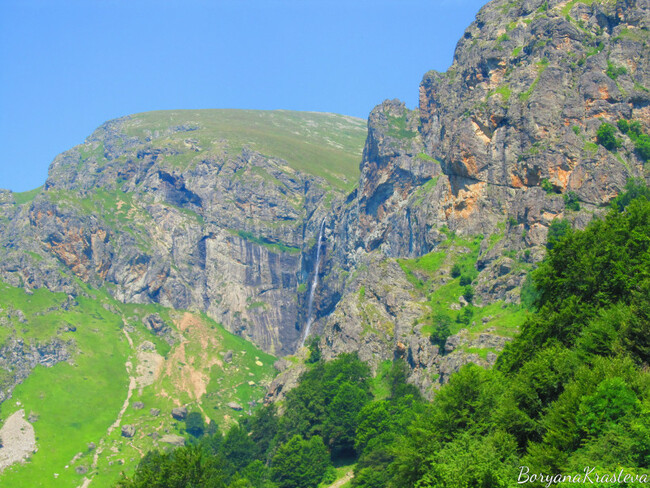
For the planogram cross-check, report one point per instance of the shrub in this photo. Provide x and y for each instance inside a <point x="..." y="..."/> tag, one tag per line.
<point x="571" y="201"/>
<point x="465" y="280"/>
<point x="455" y="271"/>
<point x="442" y="331"/>
<point x="642" y="146"/>
<point x="314" y="349"/>
<point x="615" y="71"/>
<point x="468" y="293"/>
<point x="558" y="229"/>
<point x="606" y="138"/>
<point x="547" y="186"/>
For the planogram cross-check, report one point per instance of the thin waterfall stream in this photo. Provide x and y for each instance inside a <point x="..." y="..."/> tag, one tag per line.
<point x="314" y="284"/>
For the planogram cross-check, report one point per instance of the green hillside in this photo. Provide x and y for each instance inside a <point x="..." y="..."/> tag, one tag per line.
<point x="326" y="145"/>
<point x="117" y="362"/>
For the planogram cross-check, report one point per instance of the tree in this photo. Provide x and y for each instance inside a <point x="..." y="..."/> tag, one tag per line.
<point x="342" y="413"/>
<point x="300" y="463"/>
<point x="605" y="136"/>
<point x="194" y="424"/>
<point x="238" y="447"/>
<point x="314" y="349"/>
<point x="556" y="231"/>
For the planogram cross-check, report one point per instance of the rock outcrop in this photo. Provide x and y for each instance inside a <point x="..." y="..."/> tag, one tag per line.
<point x="501" y="145"/>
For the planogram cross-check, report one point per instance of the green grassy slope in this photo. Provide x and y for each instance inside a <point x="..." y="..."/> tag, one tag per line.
<point x="429" y="274"/>
<point x="326" y="145"/>
<point x="77" y="401"/>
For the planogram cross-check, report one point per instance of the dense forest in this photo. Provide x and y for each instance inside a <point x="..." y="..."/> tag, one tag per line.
<point x="571" y="391"/>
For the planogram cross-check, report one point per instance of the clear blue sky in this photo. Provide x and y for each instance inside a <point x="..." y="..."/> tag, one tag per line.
<point x="68" y="66"/>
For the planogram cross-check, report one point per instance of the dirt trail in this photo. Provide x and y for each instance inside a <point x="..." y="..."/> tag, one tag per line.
<point x="338" y="483"/>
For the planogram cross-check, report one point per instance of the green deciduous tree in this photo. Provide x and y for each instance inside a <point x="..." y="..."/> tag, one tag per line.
<point x="300" y="463"/>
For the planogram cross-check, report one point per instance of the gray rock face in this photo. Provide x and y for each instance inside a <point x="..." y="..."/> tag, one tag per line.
<point x="174" y="440"/>
<point x="498" y="145"/>
<point x="179" y="413"/>
<point x="18" y="359"/>
<point x="128" y="431"/>
<point x="210" y="224"/>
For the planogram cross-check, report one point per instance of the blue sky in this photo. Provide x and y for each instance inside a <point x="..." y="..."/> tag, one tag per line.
<point x="68" y="66"/>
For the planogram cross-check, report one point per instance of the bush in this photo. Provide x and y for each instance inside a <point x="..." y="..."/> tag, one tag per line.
<point x="571" y="201"/>
<point x="547" y="186"/>
<point x="314" y="349"/>
<point x="642" y="146"/>
<point x="465" y="315"/>
<point x="455" y="271"/>
<point x="615" y="71"/>
<point x="468" y="293"/>
<point x="623" y="126"/>
<point x="465" y="280"/>
<point x="194" y="424"/>
<point x="605" y="136"/>
<point x="442" y="330"/>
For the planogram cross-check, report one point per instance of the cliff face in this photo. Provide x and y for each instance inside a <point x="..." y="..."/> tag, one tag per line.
<point x="502" y="144"/>
<point x="185" y="210"/>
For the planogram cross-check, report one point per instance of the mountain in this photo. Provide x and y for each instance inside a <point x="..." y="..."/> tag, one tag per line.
<point x="114" y="272"/>
<point x="416" y="245"/>
<point x="206" y="210"/>
<point x="509" y="140"/>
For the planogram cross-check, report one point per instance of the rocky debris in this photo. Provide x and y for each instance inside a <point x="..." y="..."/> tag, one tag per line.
<point x="154" y="412"/>
<point x="92" y="446"/>
<point x="147" y="346"/>
<point x="281" y="364"/>
<point x="138" y="405"/>
<point x="284" y="382"/>
<point x="18" y="440"/>
<point x="179" y="413"/>
<point x="33" y="417"/>
<point x="81" y="469"/>
<point x="234" y="406"/>
<point x="18" y="358"/>
<point x="227" y="357"/>
<point x="155" y="323"/>
<point x="485" y="340"/>
<point x="174" y="440"/>
<point x="128" y="430"/>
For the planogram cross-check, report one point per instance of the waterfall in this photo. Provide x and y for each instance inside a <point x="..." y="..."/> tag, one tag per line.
<point x="314" y="284"/>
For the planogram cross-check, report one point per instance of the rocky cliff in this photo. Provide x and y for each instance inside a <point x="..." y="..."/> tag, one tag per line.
<point x="203" y="210"/>
<point x="425" y="247"/>
<point x="501" y="145"/>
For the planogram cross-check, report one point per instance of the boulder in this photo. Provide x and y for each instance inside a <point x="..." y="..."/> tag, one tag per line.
<point x="179" y="413"/>
<point x="174" y="440"/>
<point x="128" y="431"/>
<point x="234" y="406"/>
